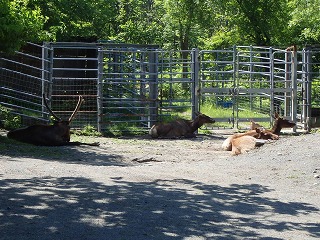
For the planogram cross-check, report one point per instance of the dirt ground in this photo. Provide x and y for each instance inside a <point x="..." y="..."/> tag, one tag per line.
<point x="140" y="188"/>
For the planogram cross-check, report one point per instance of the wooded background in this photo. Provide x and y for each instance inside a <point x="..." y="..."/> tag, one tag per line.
<point x="172" y="24"/>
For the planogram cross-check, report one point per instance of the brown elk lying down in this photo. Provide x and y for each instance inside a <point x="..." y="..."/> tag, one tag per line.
<point x="179" y="128"/>
<point x="245" y="143"/>
<point x="230" y="144"/>
<point x="57" y="134"/>
<point x="257" y="136"/>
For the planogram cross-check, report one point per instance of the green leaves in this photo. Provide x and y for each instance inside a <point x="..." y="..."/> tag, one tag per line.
<point x="19" y="23"/>
<point x="304" y="24"/>
<point x="173" y="24"/>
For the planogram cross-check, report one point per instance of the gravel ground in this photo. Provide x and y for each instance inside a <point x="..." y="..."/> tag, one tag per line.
<point x="140" y="188"/>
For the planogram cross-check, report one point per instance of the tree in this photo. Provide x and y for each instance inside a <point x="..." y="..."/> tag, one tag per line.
<point x="78" y="19"/>
<point x="181" y="25"/>
<point x="262" y="22"/>
<point x="304" y="22"/>
<point x="172" y="24"/>
<point x="18" y="24"/>
<point x="246" y="22"/>
<point x="140" y="22"/>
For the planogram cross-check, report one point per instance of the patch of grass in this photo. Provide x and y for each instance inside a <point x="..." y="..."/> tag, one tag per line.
<point x="123" y="129"/>
<point x="88" y="130"/>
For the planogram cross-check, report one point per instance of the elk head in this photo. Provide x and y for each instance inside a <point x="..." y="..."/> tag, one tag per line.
<point x="280" y="123"/>
<point x="63" y="126"/>
<point x="204" y="118"/>
<point x="254" y="125"/>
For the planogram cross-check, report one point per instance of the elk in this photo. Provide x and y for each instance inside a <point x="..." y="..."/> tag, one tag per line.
<point x="278" y="125"/>
<point x="257" y="133"/>
<point x="245" y="143"/>
<point x="254" y="125"/>
<point x="180" y="127"/>
<point x="57" y="134"/>
<point x="257" y="136"/>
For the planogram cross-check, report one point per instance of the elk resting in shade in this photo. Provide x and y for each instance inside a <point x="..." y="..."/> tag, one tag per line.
<point x="180" y="127"/>
<point x="57" y="134"/>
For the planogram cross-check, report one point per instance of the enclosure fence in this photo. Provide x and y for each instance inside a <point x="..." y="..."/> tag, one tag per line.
<point x="133" y="86"/>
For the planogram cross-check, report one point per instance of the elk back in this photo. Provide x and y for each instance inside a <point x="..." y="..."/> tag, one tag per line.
<point x="173" y="129"/>
<point x="42" y="135"/>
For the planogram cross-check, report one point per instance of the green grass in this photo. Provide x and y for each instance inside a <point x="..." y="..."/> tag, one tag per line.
<point x="127" y="129"/>
<point x="123" y="129"/>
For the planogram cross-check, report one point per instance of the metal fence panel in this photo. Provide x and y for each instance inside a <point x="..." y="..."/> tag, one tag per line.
<point x="217" y="82"/>
<point x="127" y="85"/>
<point x="135" y="86"/>
<point x="74" y="72"/>
<point x="139" y="86"/>
<point x="23" y="80"/>
<point x="255" y="92"/>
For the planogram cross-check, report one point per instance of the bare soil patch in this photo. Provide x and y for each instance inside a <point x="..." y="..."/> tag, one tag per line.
<point x="141" y="188"/>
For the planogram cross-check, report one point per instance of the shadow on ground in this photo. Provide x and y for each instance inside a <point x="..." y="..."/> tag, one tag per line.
<point x="88" y="155"/>
<point x="78" y="208"/>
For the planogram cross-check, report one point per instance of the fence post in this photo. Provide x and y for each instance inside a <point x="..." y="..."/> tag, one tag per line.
<point x="307" y="83"/>
<point x="251" y="76"/>
<point x="195" y="92"/>
<point x="49" y="96"/>
<point x="272" y="95"/>
<point x="287" y="98"/>
<point x="294" y="64"/>
<point x="45" y="76"/>
<point x="153" y="85"/>
<point x="235" y="90"/>
<point x="99" y="89"/>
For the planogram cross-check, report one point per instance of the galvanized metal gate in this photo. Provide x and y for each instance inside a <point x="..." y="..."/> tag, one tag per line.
<point x="126" y="87"/>
<point x="132" y="86"/>
<point x="217" y="83"/>
<point x="23" y="79"/>
<point x="137" y="86"/>
<point x="73" y="71"/>
<point x="253" y="82"/>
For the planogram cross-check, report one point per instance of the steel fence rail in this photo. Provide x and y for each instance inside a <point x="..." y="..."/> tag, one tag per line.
<point x="138" y="85"/>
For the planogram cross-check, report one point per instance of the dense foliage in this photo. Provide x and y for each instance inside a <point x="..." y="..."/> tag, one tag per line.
<point x="172" y="24"/>
<point x="19" y="23"/>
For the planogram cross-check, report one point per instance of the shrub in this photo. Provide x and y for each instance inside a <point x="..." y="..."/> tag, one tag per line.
<point x="9" y="120"/>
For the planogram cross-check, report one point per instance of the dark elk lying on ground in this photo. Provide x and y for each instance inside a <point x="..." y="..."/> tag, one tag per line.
<point x="179" y="128"/>
<point x="57" y="134"/>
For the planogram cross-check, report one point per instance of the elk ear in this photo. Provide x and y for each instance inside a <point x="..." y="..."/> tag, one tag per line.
<point x="258" y="130"/>
<point x="276" y="115"/>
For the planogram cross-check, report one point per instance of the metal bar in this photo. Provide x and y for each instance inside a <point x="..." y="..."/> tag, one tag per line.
<point x="22" y="74"/>
<point x="294" y="90"/>
<point x="100" y="90"/>
<point x="195" y="82"/>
